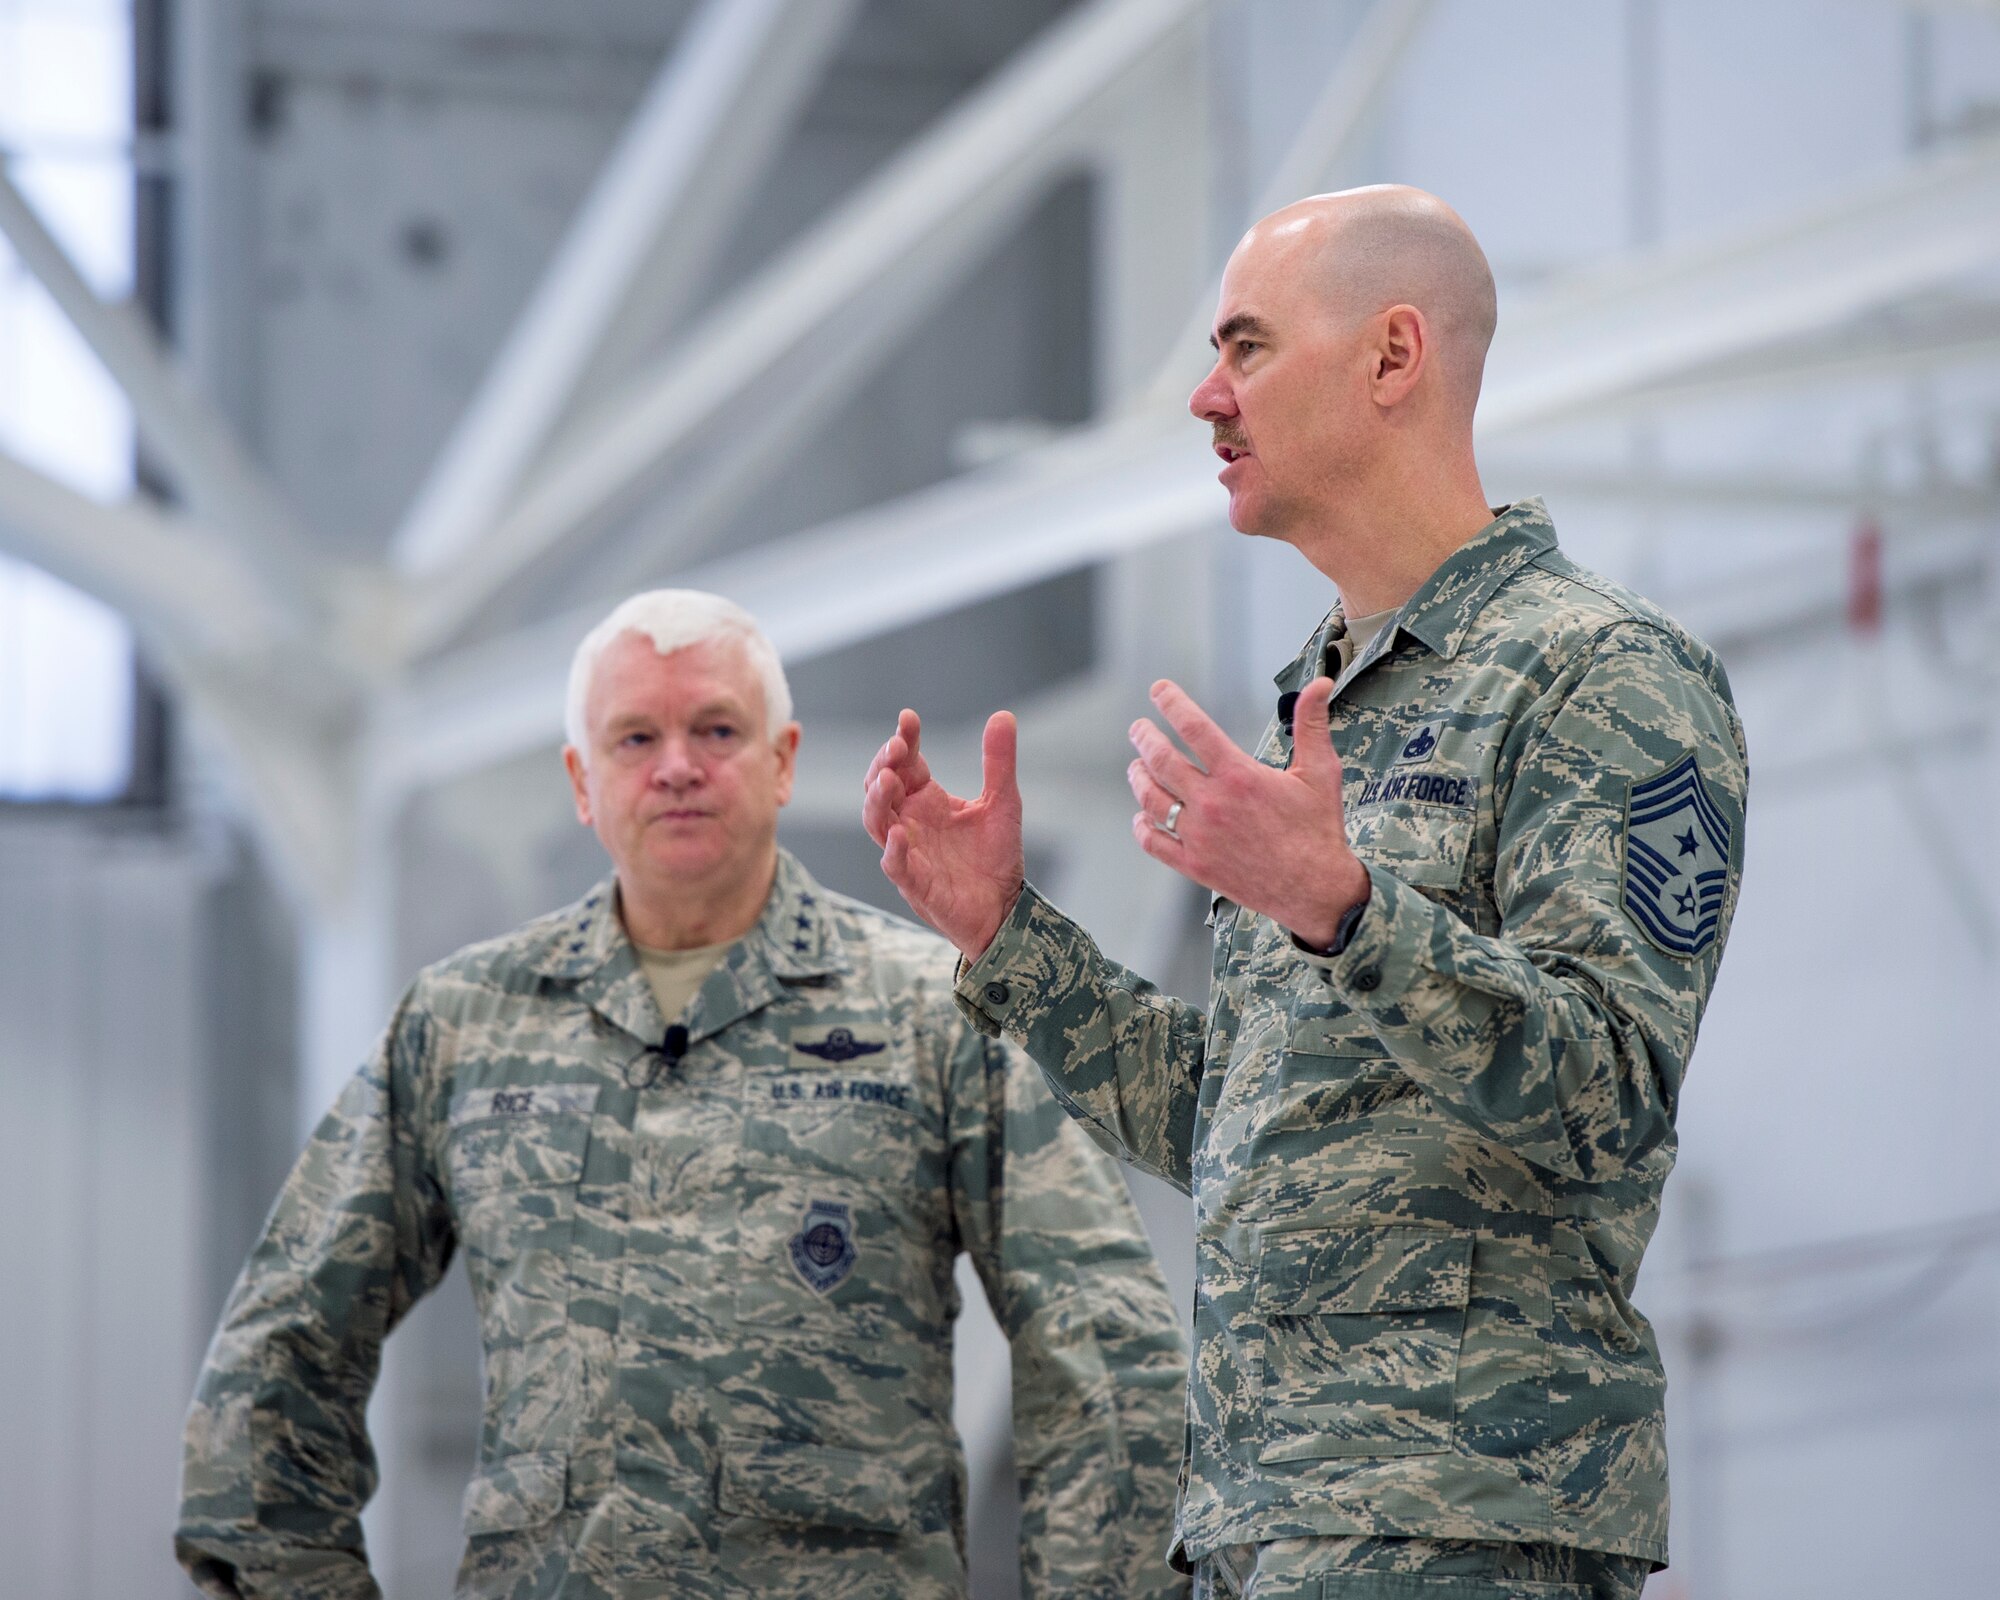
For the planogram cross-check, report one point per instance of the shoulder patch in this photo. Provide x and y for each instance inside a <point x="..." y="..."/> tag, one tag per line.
<point x="1676" y="859"/>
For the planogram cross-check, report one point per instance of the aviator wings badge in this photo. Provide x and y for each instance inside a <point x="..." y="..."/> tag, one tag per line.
<point x="839" y="1045"/>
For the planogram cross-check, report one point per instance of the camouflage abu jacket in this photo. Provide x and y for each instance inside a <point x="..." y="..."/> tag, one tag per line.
<point x="1424" y="1169"/>
<point x="716" y="1294"/>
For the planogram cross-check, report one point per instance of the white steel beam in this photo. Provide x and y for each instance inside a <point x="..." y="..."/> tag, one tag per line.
<point x="772" y="357"/>
<point x="167" y="574"/>
<point x="720" y="105"/>
<point x="1096" y="495"/>
<point x="802" y="43"/>
<point x="1086" y="500"/>
<point x="1344" y="112"/>
<point x="209" y="467"/>
<point x="1611" y="330"/>
<point x="1081" y="500"/>
<point x="1924" y="505"/>
<point x="1931" y="338"/>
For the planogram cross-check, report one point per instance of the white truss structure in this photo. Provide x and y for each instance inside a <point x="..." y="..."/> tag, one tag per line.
<point x="344" y="693"/>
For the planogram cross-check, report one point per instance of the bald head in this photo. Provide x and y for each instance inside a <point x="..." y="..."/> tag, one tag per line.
<point x="1366" y="250"/>
<point x="1350" y="340"/>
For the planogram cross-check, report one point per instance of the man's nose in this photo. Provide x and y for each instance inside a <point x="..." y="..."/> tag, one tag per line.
<point x="675" y="765"/>
<point x="1211" y="400"/>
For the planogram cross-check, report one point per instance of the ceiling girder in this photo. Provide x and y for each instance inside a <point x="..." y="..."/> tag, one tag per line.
<point x="769" y="356"/>
<point x="700" y="142"/>
<point x="168" y="574"/>
<point x="209" y="465"/>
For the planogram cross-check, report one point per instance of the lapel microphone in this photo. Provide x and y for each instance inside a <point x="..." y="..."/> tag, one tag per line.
<point x="674" y="1045"/>
<point x="644" y="1069"/>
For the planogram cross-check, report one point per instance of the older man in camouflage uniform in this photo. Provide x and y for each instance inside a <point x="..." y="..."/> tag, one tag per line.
<point x="1464" y="932"/>
<point x="711" y="1140"/>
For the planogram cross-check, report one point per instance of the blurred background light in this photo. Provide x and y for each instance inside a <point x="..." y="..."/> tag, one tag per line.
<point x="67" y="685"/>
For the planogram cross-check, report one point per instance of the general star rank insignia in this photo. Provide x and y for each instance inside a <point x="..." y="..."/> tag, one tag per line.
<point x="823" y="1252"/>
<point x="1676" y="859"/>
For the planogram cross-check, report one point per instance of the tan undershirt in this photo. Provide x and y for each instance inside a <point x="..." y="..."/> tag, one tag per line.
<point x="676" y="976"/>
<point x="1354" y="643"/>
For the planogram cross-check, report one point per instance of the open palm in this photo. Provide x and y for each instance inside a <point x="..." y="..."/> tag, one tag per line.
<point x="957" y="862"/>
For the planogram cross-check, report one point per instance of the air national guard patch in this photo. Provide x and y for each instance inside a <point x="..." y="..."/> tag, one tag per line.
<point x="1676" y="859"/>
<point x="823" y="1249"/>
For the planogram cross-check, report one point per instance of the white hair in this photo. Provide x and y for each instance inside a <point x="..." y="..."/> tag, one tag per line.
<point x="675" y="619"/>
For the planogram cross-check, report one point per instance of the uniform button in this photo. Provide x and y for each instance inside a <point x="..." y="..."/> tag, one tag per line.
<point x="997" y="994"/>
<point x="1368" y="978"/>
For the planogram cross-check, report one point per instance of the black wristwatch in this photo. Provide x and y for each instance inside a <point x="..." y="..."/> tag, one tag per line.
<point x="1343" y="930"/>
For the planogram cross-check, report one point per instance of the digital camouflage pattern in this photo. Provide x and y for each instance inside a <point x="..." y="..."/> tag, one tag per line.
<point x="716" y="1294"/>
<point x="1364" y="1567"/>
<point x="1425" y="1169"/>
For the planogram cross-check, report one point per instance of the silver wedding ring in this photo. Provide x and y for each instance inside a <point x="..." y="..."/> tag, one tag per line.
<point x="1171" y="827"/>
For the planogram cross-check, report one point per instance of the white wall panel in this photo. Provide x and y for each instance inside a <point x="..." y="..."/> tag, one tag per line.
<point x="100" y="1323"/>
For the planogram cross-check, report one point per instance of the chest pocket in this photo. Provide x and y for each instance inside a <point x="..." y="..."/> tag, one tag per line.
<point x="515" y="1153"/>
<point x="839" y="1196"/>
<point x="1423" y="844"/>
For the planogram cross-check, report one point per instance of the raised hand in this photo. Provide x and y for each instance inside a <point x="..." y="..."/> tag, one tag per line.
<point x="957" y="862"/>
<point x="1274" y="842"/>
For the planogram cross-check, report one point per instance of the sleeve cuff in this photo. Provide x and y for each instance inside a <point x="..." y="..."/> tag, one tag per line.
<point x="991" y="989"/>
<point x="1378" y="965"/>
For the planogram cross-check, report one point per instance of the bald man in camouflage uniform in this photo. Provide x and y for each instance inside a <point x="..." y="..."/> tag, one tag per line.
<point x="713" y="1256"/>
<point x="1464" y="929"/>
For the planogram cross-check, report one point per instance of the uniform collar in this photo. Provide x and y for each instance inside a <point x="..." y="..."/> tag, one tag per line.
<point x="1441" y="612"/>
<point x="790" y="942"/>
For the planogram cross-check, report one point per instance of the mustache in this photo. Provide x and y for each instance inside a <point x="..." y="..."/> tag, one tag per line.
<point x="1226" y="435"/>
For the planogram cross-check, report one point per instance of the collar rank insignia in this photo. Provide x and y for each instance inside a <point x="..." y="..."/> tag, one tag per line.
<point x="1421" y="744"/>
<point x="1676" y="859"/>
<point x="823" y="1252"/>
<point x="840" y="1045"/>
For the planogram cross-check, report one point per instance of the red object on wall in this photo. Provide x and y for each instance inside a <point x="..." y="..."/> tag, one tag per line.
<point x="1864" y="579"/>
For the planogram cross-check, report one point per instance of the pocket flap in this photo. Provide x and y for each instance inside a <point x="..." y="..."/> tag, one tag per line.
<point x="510" y="1101"/>
<point x="516" y="1492"/>
<point x="818" y="1485"/>
<point x="1342" y="1034"/>
<point x="1424" y="845"/>
<point x="1309" y="1273"/>
<point x="520" y="1136"/>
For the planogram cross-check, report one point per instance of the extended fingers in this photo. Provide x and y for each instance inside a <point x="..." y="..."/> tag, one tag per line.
<point x="997" y="758"/>
<point x="1196" y="728"/>
<point x="1155" y="800"/>
<point x="1313" y="756"/>
<point x="879" y="802"/>
<point x="1168" y="766"/>
<point x="1161" y="846"/>
<point x="902" y="867"/>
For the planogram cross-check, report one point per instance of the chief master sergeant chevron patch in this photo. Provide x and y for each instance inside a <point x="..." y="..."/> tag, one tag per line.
<point x="1676" y="859"/>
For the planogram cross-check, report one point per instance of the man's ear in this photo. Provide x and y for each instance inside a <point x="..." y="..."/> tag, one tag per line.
<point x="787" y="747"/>
<point x="579" y="787"/>
<point x="1402" y="348"/>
